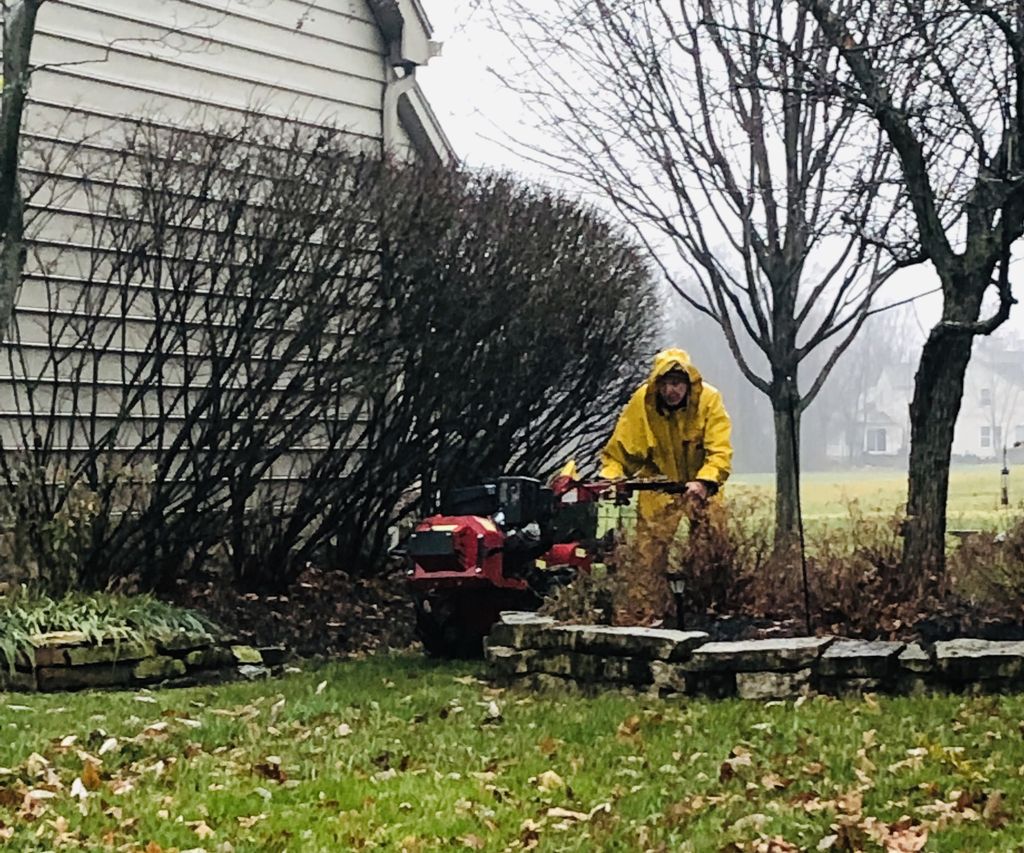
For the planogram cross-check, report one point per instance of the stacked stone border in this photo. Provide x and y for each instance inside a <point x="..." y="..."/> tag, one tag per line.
<point x="70" y="660"/>
<point x="537" y="652"/>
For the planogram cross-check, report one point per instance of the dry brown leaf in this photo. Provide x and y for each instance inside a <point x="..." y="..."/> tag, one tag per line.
<point x="993" y="812"/>
<point x="547" y="746"/>
<point x="567" y="814"/>
<point x="851" y="802"/>
<point x="774" y="782"/>
<point x="628" y="727"/>
<point x="473" y="842"/>
<point x="91" y="776"/>
<point x="201" y="829"/>
<point x="549" y="780"/>
<point x="272" y="771"/>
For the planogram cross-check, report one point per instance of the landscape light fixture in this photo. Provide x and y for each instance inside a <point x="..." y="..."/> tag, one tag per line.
<point x="1004" y="494"/>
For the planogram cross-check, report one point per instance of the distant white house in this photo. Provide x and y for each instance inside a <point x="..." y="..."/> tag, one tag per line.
<point x="991" y="413"/>
<point x="876" y="423"/>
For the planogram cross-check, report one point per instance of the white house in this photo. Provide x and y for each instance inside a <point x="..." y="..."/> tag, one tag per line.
<point x="874" y="423"/>
<point x="350" y="64"/>
<point x="991" y="412"/>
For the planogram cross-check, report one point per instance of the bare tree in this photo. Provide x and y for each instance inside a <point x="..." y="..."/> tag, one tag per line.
<point x="945" y="80"/>
<point x="717" y="131"/>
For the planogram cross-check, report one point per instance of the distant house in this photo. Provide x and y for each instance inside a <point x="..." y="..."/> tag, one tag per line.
<point x="874" y="424"/>
<point x="991" y="413"/>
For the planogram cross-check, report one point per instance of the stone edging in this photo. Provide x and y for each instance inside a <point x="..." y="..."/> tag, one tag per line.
<point x="70" y="660"/>
<point x="536" y="651"/>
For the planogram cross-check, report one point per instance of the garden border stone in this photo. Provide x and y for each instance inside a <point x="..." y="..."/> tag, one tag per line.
<point x="525" y="648"/>
<point x="71" y="660"/>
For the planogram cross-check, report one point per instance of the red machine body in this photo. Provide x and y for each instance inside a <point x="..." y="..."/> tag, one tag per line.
<point x="466" y="553"/>
<point x="501" y="546"/>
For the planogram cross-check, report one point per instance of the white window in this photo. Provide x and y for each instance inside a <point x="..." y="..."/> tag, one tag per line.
<point x="875" y="441"/>
<point x="986" y="397"/>
<point x="991" y="436"/>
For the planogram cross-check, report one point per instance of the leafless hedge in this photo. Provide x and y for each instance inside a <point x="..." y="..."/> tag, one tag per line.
<point x="253" y="346"/>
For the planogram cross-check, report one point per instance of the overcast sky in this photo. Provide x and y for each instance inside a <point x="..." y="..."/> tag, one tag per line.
<point x="478" y="114"/>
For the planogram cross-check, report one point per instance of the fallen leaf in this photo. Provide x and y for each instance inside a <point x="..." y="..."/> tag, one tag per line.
<point x="91" y="776"/>
<point x="271" y="770"/>
<point x="628" y="727"/>
<point x="343" y="730"/>
<point x="473" y="842"/>
<point x="201" y="830"/>
<point x="109" y="745"/>
<point x="36" y="765"/>
<point x="549" y="780"/>
<point x="993" y="812"/>
<point x="321" y="687"/>
<point x="567" y="814"/>
<point x="155" y="729"/>
<point x="776" y="844"/>
<point x="773" y="782"/>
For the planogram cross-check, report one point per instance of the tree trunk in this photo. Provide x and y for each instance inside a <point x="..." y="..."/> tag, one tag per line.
<point x="938" y="389"/>
<point x="19" y="28"/>
<point x="786" y="410"/>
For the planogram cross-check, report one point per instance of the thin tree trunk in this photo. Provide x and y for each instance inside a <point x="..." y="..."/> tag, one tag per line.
<point x="786" y="410"/>
<point x="938" y="389"/>
<point x="19" y="28"/>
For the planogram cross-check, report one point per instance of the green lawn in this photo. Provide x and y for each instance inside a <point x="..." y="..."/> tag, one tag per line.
<point x="398" y="753"/>
<point x="827" y="495"/>
<point x="974" y="492"/>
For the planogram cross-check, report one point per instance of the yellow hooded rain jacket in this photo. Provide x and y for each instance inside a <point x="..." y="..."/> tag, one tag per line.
<point x="691" y="443"/>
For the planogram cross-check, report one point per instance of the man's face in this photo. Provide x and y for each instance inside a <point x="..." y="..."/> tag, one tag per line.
<point x="673" y="390"/>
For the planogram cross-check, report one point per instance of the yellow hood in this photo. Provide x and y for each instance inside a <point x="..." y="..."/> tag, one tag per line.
<point x="675" y="359"/>
<point x="690" y="443"/>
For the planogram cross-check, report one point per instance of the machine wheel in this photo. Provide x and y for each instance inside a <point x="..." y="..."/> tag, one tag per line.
<point x="443" y="631"/>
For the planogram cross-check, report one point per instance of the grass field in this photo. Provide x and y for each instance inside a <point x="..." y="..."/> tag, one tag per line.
<point x="398" y="754"/>
<point x="827" y="495"/>
<point x="974" y="492"/>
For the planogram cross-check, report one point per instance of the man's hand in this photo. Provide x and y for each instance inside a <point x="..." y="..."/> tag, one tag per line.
<point x="619" y="492"/>
<point x="696" y="489"/>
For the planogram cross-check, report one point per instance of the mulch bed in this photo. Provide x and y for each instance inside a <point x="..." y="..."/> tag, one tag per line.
<point x="322" y="613"/>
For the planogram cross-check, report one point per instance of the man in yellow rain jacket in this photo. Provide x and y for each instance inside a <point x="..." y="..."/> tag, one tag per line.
<point x="674" y="426"/>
